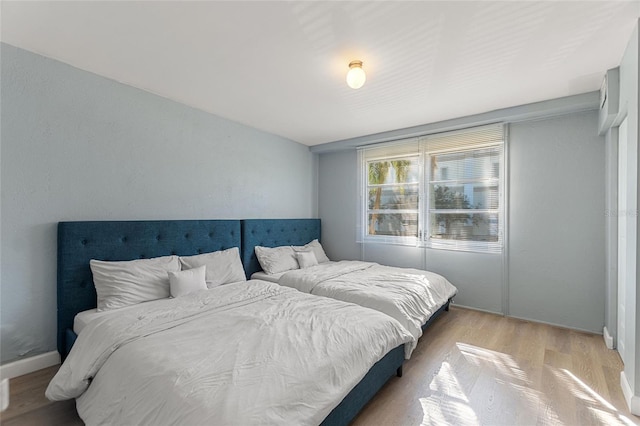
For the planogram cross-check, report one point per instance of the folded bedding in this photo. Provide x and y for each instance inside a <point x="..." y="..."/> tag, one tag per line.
<point x="272" y="278"/>
<point x="83" y="318"/>
<point x="411" y="296"/>
<point x="243" y="353"/>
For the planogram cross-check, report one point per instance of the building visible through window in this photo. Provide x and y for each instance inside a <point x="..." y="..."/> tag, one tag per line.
<point x="442" y="191"/>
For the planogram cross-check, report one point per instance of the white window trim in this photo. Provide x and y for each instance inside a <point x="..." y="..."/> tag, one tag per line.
<point x="421" y="146"/>
<point x="460" y="245"/>
<point x="364" y="185"/>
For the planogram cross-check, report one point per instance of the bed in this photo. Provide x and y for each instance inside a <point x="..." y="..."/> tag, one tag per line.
<point x="411" y="296"/>
<point x="245" y="352"/>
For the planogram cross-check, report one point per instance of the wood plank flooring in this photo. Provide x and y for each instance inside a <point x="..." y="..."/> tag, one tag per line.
<point x="470" y="368"/>
<point x="475" y="368"/>
<point x="28" y="405"/>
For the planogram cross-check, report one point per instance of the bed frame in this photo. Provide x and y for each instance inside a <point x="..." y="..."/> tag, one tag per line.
<point x="79" y="242"/>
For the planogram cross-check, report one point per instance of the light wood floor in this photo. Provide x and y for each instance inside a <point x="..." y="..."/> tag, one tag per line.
<point x="474" y="368"/>
<point x="470" y="368"/>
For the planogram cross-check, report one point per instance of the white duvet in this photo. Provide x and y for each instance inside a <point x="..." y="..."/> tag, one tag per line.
<point x="411" y="296"/>
<point x="240" y="354"/>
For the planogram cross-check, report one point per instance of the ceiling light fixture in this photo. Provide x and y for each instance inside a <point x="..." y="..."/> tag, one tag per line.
<point x="356" y="76"/>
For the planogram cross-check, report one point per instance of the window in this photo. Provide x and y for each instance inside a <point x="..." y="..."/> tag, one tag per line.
<point x="441" y="191"/>
<point x="393" y="193"/>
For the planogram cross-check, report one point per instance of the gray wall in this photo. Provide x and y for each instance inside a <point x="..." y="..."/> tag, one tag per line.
<point x="76" y="146"/>
<point x="611" y="236"/>
<point x="555" y="269"/>
<point x="337" y="185"/>
<point x="629" y="108"/>
<point x="631" y="63"/>
<point x="557" y="221"/>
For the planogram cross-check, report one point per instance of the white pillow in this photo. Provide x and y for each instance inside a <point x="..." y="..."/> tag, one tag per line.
<point x="317" y="249"/>
<point x="125" y="283"/>
<point x="306" y="259"/>
<point x="276" y="259"/>
<point x="188" y="281"/>
<point x="223" y="266"/>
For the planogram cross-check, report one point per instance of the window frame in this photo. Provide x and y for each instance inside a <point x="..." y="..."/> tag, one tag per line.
<point x="402" y="239"/>
<point x="463" y="245"/>
<point x="424" y="151"/>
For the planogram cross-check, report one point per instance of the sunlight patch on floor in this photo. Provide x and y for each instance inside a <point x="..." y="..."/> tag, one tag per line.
<point x="505" y="364"/>
<point x="498" y="377"/>
<point x="600" y="407"/>
<point x="447" y="404"/>
<point x="532" y="398"/>
<point x="593" y="394"/>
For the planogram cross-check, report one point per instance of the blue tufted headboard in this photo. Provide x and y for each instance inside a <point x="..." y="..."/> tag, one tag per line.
<point x="274" y="233"/>
<point x="79" y="242"/>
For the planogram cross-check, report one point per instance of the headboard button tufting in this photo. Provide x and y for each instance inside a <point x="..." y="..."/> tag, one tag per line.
<point x="79" y="242"/>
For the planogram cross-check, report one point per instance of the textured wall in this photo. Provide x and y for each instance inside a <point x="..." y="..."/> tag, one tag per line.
<point x="76" y="146"/>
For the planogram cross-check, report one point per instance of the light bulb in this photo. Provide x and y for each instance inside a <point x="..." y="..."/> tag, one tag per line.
<point x="356" y="76"/>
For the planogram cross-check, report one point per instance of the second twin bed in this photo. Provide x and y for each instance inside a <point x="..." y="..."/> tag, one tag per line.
<point x="288" y="252"/>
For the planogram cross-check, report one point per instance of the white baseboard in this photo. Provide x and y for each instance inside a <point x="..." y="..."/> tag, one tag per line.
<point x="471" y="308"/>
<point x="608" y="340"/>
<point x="29" y="365"/>
<point x="4" y="394"/>
<point x="566" y="327"/>
<point x="633" y="401"/>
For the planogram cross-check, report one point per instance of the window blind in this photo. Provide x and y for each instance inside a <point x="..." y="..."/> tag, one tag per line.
<point x="457" y="140"/>
<point x="464" y="139"/>
<point x="390" y="150"/>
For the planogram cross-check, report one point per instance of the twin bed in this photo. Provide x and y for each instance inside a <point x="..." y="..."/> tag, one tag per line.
<point x="413" y="297"/>
<point x="240" y="353"/>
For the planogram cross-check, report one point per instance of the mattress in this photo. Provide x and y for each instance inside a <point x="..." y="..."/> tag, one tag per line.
<point x="83" y="318"/>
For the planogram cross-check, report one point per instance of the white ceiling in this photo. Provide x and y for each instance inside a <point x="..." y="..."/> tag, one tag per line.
<point x="281" y="66"/>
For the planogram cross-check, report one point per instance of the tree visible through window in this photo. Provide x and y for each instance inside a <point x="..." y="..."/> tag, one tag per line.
<point x="443" y="191"/>
<point x="393" y="197"/>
